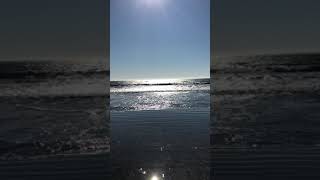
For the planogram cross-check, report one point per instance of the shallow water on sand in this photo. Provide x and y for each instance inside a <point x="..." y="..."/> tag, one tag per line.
<point x="160" y="129"/>
<point x="173" y="143"/>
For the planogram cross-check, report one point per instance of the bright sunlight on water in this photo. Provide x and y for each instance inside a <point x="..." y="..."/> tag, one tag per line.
<point x="160" y="94"/>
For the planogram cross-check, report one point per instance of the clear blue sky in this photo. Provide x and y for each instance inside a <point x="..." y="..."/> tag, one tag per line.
<point x="159" y="39"/>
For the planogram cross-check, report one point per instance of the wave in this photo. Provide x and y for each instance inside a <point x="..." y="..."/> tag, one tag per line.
<point x="283" y="63"/>
<point x="167" y="91"/>
<point x="63" y="87"/>
<point x="41" y="70"/>
<point x="47" y="75"/>
<point x="203" y="81"/>
<point x="269" y="74"/>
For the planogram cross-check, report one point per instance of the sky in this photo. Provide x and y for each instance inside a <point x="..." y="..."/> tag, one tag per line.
<point x="56" y="30"/>
<point x="159" y="39"/>
<point x="246" y="27"/>
<point x="156" y="38"/>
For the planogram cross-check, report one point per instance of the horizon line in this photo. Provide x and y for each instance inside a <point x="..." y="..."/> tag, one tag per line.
<point x="137" y="79"/>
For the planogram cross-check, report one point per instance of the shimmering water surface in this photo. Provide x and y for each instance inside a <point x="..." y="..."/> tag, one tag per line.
<point x="160" y="129"/>
<point x="165" y="94"/>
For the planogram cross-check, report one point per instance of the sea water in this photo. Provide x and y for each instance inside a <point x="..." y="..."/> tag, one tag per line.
<point x="51" y="108"/>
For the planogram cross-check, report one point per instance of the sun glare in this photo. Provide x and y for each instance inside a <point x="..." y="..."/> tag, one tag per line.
<point x="159" y="81"/>
<point x="154" y="178"/>
<point x="153" y="3"/>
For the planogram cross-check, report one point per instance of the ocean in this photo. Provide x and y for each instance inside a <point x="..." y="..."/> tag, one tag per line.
<point x="165" y="94"/>
<point x="160" y="128"/>
<point x="51" y="108"/>
<point x="263" y="121"/>
<point x="265" y="117"/>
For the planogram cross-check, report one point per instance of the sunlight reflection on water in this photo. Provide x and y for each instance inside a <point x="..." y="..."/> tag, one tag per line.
<point x="159" y="115"/>
<point x="159" y="94"/>
<point x="152" y="175"/>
